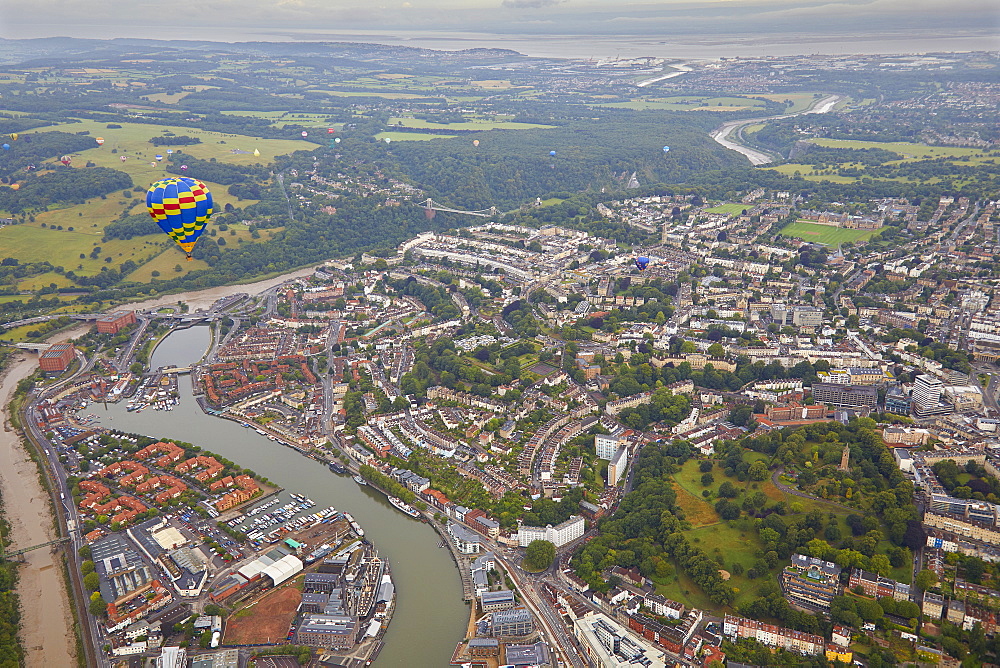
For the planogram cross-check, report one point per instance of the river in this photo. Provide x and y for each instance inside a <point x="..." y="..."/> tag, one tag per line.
<point x="430" y="617"/>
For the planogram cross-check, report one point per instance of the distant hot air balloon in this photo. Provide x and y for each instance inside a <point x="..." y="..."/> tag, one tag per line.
<point x="13" y="136"/>
<point x="641" y="262"/>
<point x="552" y="153"/>
<point x="666" y="149"/>
<point x="65" y="159"/>
<point x="337" y="140"/>
<point x="330" y="131"/>
<point x="184" y="168"/>
<point x="152" y="164"/>
<point x="170" y="151"/>
<point x="181" y="206"/>
<point x="123" y="158"/>
<point x="256" y="152"/>
<point x="387" y="140"/>
<point x="158" y="157"/>
<point x="304" y="134"/>
<point x="475" y="142"/>
<point x="15" y="186"/>
<point x="6" y="147"/>
<point x="100" y="141"/>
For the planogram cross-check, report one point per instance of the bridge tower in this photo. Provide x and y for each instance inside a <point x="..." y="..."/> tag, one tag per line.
<point x="429" y="211"/>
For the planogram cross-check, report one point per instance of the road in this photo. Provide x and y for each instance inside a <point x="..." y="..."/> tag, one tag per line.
<point x="723" y="133"/>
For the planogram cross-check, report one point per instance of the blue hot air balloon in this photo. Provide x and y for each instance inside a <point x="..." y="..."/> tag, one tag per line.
<point x="6" y="147"/>
<point x="181" y="206"/>
<point x="641" y="262"/>
<point x="666" y="149"/>
<point x="552" y="153"/>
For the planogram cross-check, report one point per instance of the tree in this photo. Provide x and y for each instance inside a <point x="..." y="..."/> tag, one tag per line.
<point x="758" y="471"/>
<point x="539" y="555"/>
<point x="98" y="607"/>
<point x="92" y="581"/>
<point x="716" y="350"/>
<point x="728" y="490"/>
<point x="925" y="580"/>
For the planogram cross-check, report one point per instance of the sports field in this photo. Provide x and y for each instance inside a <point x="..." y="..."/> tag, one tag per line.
<point x="729" y="207"/>
<point x="825" y="234"/>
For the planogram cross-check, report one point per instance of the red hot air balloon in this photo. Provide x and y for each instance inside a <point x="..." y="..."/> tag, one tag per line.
<point x="123" y="158"/>
<point x="330" y="131"/>
<point x="100" y="141"/>
<point x="304" y="134"/>
<point x="65" y="159"/>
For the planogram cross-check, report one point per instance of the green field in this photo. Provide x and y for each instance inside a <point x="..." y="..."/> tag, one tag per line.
<point x="469" y="125"/>
<point x="800" y="101"/>
<point x="83" y="224"/>
<point x="411" y="136"/>
<point x="730" y="208"/>
<point x="825" y="234"/>
<point x="908" y="150"/>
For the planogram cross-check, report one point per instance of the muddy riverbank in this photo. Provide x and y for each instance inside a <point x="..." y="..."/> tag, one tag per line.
<point x="46" y="622"/>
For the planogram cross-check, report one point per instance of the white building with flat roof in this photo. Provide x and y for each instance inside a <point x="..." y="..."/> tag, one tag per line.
<point x="606" y="446"/>
<point x="558" y="535"/>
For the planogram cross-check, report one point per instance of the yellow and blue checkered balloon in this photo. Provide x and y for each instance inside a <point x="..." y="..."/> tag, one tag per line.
<point x="181" y="206"/>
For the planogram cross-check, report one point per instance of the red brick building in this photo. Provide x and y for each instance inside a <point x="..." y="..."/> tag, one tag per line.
<point x="56" y="358"/>
<point x="113" y="323"/>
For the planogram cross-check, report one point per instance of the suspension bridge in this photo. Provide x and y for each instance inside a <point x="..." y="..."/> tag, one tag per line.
<point x="431" y="207"/>
<point x="10" y="554"/>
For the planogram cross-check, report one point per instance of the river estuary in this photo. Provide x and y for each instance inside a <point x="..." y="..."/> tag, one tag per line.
<point x="430" y="617"/>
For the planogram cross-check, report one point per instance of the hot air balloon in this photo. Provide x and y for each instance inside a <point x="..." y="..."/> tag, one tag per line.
<point x="170" y="151"/>
<point x="641" y="262"/>
<point x="181" y="206"/>
<point x="330" y="131"/>
<point x="6" y="147"/>
<point x="184" y="168"/>
<point x="256" y="152"/>
<point x="158" y="157"/>
<point x="15" y="186"/>
<point x="666" y="149"/>
<point x="100" y="141"/>
<point x="65" y="159"/>
<point x="13" y="136"/>
<point x="337" y="140"/>
<point x="304" y="134"/>
<point x="475" y="142"/>
<point x="387" y="140"/>
<point x="152" y="164"/>
<point x="552" y="153"/>
<point x="123" y="158"/>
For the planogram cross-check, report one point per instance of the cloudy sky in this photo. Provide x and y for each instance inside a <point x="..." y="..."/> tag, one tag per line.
<point x="159" y="19"/>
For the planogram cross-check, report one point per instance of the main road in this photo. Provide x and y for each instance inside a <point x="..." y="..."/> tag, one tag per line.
<point x="724" y="132"/>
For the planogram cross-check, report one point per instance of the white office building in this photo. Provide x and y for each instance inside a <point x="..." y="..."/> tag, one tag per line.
<point x="606" y="445"/>
<point x="927" y="392"/>
<point x="558" y="535"/>
<point x="618" y="466"/>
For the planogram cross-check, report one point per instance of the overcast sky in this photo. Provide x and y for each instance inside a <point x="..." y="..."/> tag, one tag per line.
<point x="159" y="19"/>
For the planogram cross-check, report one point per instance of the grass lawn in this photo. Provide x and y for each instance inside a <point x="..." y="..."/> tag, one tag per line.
<point x="910" y="151"/>
<point x="411" y="136"/>
<point x="32" y="243"/>
<point x="469" y="125"/>
<point x="799" y="101"/>
<point x="825" y="234"/>
<point x="729" y="207"/>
